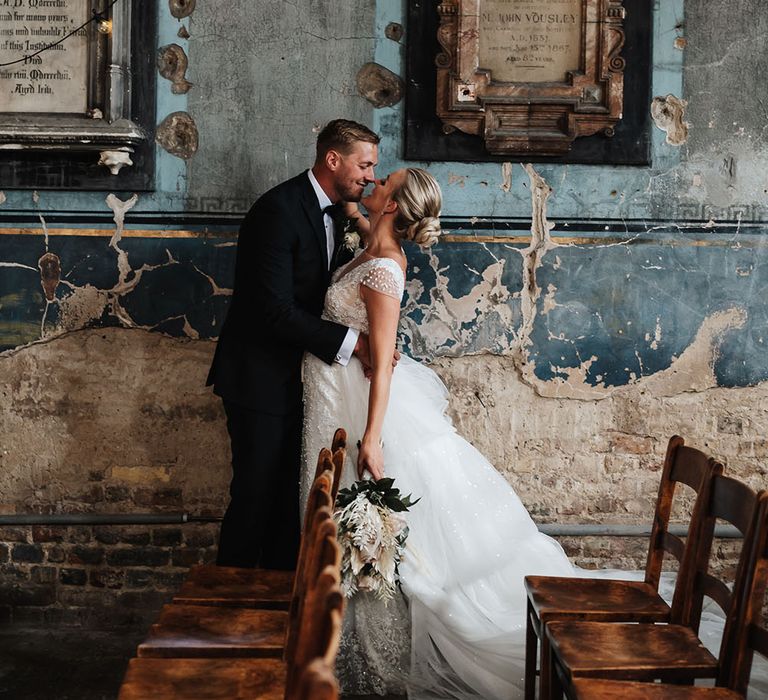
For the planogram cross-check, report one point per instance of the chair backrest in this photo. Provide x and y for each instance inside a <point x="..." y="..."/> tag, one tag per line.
<point x="319" y="630"/>
<point x="319" y="495"/>
<point x="318" y="682"/>
<point x="735" y="503"/>
<point x="339" y="439"/>
<point x="745" y="629"/>
<point x="339" y="455"/>
<point x="682" y="465"/>
<point x="323" y="550"/>
<point x="324" y="461"/>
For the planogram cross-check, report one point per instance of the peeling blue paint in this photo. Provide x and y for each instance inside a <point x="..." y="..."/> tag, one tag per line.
<point x="619" y="310"/>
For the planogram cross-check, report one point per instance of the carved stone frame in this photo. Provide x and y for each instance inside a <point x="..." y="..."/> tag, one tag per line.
<point x="530" y="118"/>
<point x="111" y="145"/>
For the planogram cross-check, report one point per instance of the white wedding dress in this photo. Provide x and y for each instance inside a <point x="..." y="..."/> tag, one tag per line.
<point x="459" y="630"/>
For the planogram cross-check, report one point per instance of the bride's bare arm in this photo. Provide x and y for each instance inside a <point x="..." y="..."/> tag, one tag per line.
<point x="352" y="211"/>
<point x="383" y="315"/>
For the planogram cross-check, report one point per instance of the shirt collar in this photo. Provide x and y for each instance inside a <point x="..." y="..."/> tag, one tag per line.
<point x="322" y="197"/>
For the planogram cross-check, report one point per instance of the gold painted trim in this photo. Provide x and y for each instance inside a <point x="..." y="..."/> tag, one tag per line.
<point x="109" y="232"/>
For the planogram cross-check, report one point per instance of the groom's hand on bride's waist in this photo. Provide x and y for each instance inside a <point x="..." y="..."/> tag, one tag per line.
<point x="363" y="353"/>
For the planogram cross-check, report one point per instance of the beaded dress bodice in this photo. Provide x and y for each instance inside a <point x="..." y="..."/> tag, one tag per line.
<point x="343" y="303"/>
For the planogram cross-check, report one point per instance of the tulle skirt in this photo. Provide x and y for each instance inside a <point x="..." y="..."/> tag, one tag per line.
<point x="471" y="542"/>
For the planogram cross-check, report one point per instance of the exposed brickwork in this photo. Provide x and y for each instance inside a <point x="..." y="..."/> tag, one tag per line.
<point x="97" y="575"/>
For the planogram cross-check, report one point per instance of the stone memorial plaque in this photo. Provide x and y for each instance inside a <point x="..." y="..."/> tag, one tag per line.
<point x="526" y="41"/>
<point x="530" y="76"/>
<point x="56" y="81"/>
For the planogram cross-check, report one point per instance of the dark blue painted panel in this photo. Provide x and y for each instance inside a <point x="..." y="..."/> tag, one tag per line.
<point x="619" y="310"/>
<point x="635" y="307"/>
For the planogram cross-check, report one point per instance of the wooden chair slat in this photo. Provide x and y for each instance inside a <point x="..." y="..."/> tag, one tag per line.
<point x="673" y="544"/>
<point x="728" y="498"/>
<point x="339" y="456"/>
<point x="688" y="466"/>
<point x="758" y="639"/>
<point x="715" y="589"/>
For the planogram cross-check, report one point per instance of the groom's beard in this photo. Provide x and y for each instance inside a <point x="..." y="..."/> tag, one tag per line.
<point x="351" y="191"/>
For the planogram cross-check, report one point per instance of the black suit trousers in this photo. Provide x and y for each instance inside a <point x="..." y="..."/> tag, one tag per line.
<point x="261" y="525"/>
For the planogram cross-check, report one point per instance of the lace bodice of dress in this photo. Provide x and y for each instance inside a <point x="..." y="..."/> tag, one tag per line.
<point x="343" y="303"/>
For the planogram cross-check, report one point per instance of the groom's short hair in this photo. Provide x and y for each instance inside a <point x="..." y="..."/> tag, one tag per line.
<point x="340" y="135"/>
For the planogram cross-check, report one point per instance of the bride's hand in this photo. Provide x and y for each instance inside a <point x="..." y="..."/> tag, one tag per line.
<point x="352" y="211"/>
<point x="370" y="458"/>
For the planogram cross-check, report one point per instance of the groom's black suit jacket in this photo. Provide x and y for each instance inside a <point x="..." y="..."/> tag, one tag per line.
<point x="281" y="276"/>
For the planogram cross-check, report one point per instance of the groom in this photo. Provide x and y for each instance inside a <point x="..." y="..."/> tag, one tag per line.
<point x="285" y="249"/>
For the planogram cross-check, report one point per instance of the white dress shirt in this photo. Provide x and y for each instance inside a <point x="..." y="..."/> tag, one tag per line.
<point x="348" y="346"/>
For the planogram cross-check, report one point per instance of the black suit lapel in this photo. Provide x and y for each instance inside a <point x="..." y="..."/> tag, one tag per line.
<point x="315" y="216"/>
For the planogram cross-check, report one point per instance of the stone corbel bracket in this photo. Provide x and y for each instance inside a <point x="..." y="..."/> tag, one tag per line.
<point x="530" y="118"/>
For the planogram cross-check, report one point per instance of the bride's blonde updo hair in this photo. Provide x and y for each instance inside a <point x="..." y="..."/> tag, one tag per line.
<point x="419" y="202"/>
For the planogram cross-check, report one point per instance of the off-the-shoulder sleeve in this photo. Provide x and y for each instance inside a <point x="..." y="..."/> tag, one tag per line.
<point x="385" y="276"/>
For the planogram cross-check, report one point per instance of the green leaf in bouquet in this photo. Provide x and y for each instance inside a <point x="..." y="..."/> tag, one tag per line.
<point x="407" y="502"/>
<point x="384" y="484"/>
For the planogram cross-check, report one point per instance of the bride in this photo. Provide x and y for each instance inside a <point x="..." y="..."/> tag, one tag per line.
<point x="458" y="631"/>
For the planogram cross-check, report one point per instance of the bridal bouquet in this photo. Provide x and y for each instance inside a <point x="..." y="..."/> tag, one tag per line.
<point x="372" y="534"/>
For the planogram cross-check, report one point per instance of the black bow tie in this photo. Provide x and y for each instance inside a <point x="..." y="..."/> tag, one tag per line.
<point x="333" y="210"/>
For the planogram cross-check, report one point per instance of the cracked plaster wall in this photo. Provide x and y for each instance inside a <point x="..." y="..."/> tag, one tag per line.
<point x="584" y="325"/>
<point x="266" y="76"/>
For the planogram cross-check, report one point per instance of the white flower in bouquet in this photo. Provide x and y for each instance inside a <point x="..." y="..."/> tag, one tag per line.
<point x="372" y="534"/>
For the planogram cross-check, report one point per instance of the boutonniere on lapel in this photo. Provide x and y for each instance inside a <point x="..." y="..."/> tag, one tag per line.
<point x="347" y="237"/>
<point x="348" y="232"/>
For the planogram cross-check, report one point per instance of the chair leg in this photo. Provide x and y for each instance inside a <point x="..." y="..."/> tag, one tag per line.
<point x="531" y="648"/>
<point x="554" y="684"/>
<point x="546" y="671"/>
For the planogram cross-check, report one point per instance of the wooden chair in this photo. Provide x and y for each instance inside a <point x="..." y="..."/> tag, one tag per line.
<point x="670" y="652"/>
<point x="236" y="679"/>
<point x="747" y="634"/>
<point x="218" y="631"/>
<point x="318" y="682"/>
<point x="560" y="598"/>
<point x="209" y="584"/>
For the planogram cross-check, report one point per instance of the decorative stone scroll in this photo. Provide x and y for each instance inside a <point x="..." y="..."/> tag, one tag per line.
<point x="529" y="76"/>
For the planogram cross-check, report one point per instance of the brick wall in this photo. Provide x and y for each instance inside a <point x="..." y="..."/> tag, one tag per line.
<point x="97" y="575"/>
